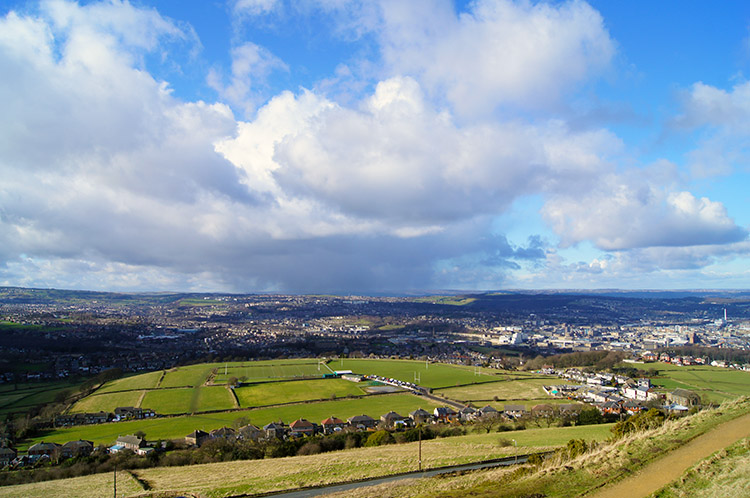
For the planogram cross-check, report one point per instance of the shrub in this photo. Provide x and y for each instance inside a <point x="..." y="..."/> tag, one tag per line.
<point x="379" y="438"/>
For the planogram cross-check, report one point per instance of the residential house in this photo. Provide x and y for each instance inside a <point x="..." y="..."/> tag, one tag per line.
<point x="133" y="413"/>
<point x="392" y="420"/>
<point x="610" y="407"/>
<point x="487" y="411"/>
<point x="542" y="410"/>
<point x="684" y="397"/>
<point x="445" y="414"/>
<point x="130" y="442"/>
<point x="249" y="432"/>
<point x="7" y="455"/>
<point x="632" y="407"/>
<point x="570" y="409"/>
<point x="74" y="449"/>
<point x="301" y="427"/>
<point x="223" y="433"/>
<point x="362" y="422"/>
<point x="467" y="413"/>
<point x="514" y="411"/>
<point x="52" y="450"/>
<point x="196" y="438"/>
<point x="276" y="430"/>
<point x="332" y="424"/>
<point x="420" y="416"/>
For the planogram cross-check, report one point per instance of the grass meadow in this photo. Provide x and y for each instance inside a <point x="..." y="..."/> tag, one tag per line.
<point x="106" y="402"/>
<point x="21" y="397"/>
<point x="520" y="388"/>
<point x="134" y="382"/>
<point x="253" y="372"/>
<point x="170" y="401"/>
<point x="188" y="376"/>
<point x="434" y="375"/>
<point x="93" y="486"/>
<point x="718" y="384"/>
<point x="213" y="398"/>
<point x="272" y="393"/>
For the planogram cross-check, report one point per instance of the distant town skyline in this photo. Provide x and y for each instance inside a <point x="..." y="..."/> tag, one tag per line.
<point x="351" y="146"/>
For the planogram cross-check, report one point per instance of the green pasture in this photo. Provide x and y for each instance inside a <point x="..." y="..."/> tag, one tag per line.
<point x="272" y="393"/>
<point x="141" y="381"/>
<point x="17" y="398"/>
<point x="189" y="376"/>
<point x="261" y="372"/>
<point x="718" y="384"/>
<point x="106" y="402"/>
<point x="214" y="398"/>
<point x="179" y="426"/>
<point x="170" y="401"/>
<point x="514" y="388"/>
<point x="434" y="375"/>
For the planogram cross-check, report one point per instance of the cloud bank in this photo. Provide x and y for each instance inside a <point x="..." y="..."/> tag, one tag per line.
<point x="111" y="181"/>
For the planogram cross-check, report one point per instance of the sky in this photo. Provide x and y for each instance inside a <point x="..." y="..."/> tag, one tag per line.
<point x="374" y="146"/>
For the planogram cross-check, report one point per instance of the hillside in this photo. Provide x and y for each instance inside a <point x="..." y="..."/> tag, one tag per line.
<point x="561" y="476"/>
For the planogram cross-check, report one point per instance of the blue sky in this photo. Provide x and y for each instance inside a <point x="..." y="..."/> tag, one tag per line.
<point x="374" y="146"/>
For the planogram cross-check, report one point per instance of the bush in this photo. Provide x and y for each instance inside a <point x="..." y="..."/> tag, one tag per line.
<point x="589" y="416"/>
<point x="576" y="447"/>
<point x="379" y="438"/>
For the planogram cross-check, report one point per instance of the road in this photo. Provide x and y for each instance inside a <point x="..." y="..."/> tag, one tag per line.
<point x="336" y="488"/>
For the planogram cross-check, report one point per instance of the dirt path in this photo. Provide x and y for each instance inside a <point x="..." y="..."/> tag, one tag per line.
<point x="140" y="399"/>
<point x="665" y="470"/>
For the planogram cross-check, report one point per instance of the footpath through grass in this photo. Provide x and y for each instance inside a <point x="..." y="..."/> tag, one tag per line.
<point x="726" y="473"/>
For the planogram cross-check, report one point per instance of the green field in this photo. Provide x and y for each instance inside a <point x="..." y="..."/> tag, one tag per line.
<point x="142" y="381"/>
<point x="169" y="401"/>
<point x="434" y="375"/>
<point x="521" y="388"/>
<point x="189" y="376"/>
<point x="106" y="402"/>
<point x="214" y="398"/>
<point x="718" y="384"/>
<point x="263" y="372"/>
<point x="15" y="398"/>
<point x="272" y="393"/>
